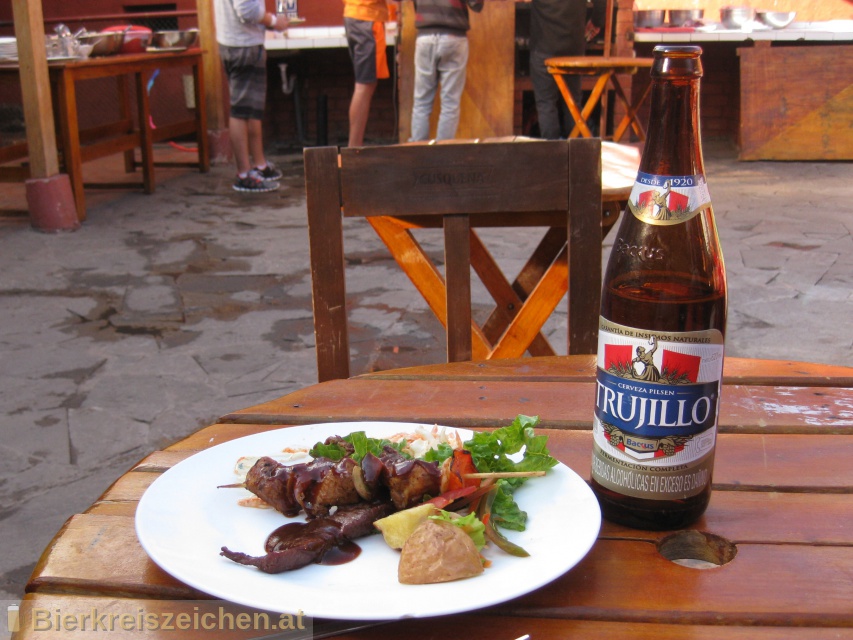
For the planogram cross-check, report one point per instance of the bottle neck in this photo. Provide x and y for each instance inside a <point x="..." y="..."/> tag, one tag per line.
<point x="673" y="142"/>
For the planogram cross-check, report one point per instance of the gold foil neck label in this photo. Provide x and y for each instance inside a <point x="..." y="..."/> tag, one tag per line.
<point x="667" y="200"/>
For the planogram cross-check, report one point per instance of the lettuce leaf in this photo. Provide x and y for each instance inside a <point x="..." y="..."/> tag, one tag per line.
<point x="361" y="444"/>
<point x="491" y="451"/>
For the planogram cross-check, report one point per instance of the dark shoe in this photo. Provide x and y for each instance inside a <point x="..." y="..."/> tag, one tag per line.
<point x="270" y="172"/>
<point x="254" y="183"/>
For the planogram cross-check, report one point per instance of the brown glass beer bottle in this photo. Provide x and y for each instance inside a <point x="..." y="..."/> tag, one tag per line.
<point x="663" y="320"/>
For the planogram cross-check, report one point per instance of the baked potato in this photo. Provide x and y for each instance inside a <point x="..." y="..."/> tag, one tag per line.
<point x="438" y="551"/>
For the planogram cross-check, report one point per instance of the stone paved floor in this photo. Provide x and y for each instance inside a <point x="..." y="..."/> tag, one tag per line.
<point x="166" y="311"/>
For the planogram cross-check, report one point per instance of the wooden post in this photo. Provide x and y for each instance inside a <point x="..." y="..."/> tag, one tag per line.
<point x="35" y="88"/>
<point x="217" y="115"/>
<point x="49" y="198"/>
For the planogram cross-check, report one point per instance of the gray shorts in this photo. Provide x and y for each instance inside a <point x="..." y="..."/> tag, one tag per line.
<point x="368" y="60"/>
<point x="246" y="68"/>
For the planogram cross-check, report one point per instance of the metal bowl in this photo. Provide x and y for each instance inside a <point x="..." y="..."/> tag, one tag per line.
<point x="736" y="17"/>
<point x="136" y="40"/>
<point x="685" y="17"/>
<point x="174" y="39"/>
<point x="649" y="18"/>
<point x="103" y="44"/>
<point x="776" y="19"/>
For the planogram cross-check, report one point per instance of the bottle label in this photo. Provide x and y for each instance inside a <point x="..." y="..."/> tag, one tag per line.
<point x="656" y="403"/>
<point x="667" y="200"/>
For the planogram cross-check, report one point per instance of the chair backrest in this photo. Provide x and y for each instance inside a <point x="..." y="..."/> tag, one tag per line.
<point x="456" y="186"/>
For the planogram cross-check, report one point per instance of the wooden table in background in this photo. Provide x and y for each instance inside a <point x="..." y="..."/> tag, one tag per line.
<point x="606" y="68"/>
<point x="782" y="496"/>
<point x="120" y="136"/>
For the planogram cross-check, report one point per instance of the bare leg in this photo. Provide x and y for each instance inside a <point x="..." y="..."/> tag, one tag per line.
<point x="238" y="131"/>
<point x="256" y="143"/>
<point x="359" y="109"/>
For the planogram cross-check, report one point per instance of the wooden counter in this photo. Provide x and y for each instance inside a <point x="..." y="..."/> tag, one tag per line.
<point x="796" y="103"/>
<point x="789" y="91"/>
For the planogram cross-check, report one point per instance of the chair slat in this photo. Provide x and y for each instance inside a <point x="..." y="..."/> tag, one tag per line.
<point x="584" y="286"/>
<point x="326" y="245"/>
<point x="457" y="264"/>
<point x="458" y="178"/>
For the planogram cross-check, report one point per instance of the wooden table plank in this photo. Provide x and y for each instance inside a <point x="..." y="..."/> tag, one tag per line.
<point x="219" y="433"/>
<point x="743" y="371"/>
<point x="624" y="580"/>
<point x="125" y="618"/>
<point x="800" y="501"/>
<point x="786" y="517"/>
<point x="125" y="509"/>
<point x="130" y="486"/>
<point x="497" y="625"/>
<point x="99" y="555"/>
<point x="475" y="403"/>
<point x="476" y="626"/>
<point x="744" y="462"/>
<point x="748" y="462"/>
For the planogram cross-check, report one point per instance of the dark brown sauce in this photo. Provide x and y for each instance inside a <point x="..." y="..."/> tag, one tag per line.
<point x="346" y="551"/>
<point x="316" y="532"/>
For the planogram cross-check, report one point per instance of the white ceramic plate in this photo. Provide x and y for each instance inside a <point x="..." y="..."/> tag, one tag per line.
<point x="183" y="520"/>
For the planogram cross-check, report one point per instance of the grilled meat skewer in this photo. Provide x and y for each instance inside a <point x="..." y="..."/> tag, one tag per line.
<point x="341" y="499"/>
<point x="321" y="484"/>
<point x="314" y="486"/>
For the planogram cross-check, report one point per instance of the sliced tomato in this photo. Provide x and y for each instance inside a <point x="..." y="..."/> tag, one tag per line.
<point x="449" y="497"/>
<point x="461" y="464"/>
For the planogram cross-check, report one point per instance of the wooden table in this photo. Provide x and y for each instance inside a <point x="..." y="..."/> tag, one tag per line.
<point x="123" y="135"/>
<point x="782" y="497"/>
<point x="606" y="68"/>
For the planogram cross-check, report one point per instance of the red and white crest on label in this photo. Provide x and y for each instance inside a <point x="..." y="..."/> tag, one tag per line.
<point x="618" y="357"/>
<point x="675" y="202"/>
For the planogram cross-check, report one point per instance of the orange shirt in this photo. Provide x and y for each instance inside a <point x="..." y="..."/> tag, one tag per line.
<point x="371" y="10"/>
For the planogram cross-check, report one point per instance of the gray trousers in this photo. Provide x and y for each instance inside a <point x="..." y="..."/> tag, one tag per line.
<point x="555" y="121"/>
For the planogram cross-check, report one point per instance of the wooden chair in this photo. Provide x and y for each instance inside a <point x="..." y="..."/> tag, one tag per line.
<point x="459" y="187"/>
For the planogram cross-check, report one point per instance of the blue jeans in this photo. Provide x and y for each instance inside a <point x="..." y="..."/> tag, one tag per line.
<point x="439" y="58"/>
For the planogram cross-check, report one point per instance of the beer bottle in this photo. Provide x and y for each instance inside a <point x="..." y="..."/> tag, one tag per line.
<point x="662" y="324"/>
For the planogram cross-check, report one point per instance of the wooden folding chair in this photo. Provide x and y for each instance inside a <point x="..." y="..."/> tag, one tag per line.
<point x="459" y="187"/>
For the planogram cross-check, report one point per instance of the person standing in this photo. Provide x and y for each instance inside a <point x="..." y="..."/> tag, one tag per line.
<point x="441" y="57"/>
<point x="240" y="27"/>
<point x="557" y="28"/>
<point x="364" y="22"/>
